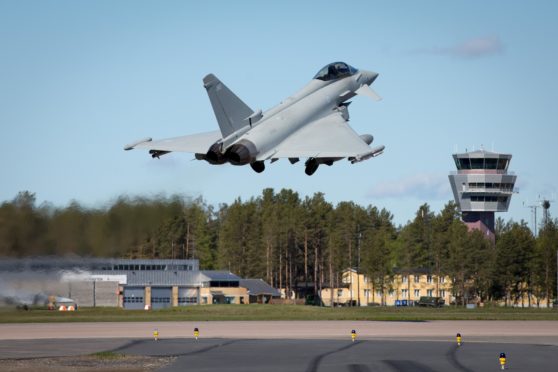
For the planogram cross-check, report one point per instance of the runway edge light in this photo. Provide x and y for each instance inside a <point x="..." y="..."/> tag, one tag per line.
<point x="156" y="334"/>
<point x="458" y="338"/>
<point x="353" y="335"/>
<point x="502" y="360"/>
<point x="196" y="333"/>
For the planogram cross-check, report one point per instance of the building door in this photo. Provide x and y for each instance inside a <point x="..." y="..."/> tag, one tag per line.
<point x="187" y="296"/>
<point x="161" y="297"/>
<point x="133" y="298"/>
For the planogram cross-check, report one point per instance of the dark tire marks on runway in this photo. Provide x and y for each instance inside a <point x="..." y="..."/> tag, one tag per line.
<point x="137" y="343"/>
<point x="315" y="362"/>
<point x="451" y="356"/>
<point x="127" y="346"/>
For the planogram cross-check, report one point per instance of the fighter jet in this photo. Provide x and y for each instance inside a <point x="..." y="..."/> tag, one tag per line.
<point x="310" y="124"/>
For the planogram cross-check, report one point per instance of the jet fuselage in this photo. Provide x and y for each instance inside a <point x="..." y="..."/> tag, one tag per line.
<point x="315" y="100"/>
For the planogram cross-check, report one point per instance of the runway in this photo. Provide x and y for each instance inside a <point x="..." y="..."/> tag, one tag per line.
<point x="212" y="355"/>
<point x="264" y="346"/>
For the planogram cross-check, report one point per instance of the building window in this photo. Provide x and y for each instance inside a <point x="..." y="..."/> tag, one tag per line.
<point x="417" y="278"/>
<point x="339" y="293"/>
<point x="204" y="300"/>
<point x="160" y="300"/>
<point x="188" y="300"/>
<point x="429" y="292"/>
<point x="429" y="279"/>
<point x="366" y="293"/>
<point x="443" y="293"/>
<point x="404" y="293"/>
<point x="379" y="294"/>
<point x="405" y="279"/>
<point x="391" y="293"/>
<point x="417" y="292"/>
<point x="442" y="279"/>
<point x="130" y="300"/>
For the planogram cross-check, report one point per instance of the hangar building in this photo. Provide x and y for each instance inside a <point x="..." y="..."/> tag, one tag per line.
<point x="128" y="283"/>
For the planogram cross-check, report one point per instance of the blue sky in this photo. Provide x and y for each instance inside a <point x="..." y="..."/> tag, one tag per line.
<point x="80" y="79"/>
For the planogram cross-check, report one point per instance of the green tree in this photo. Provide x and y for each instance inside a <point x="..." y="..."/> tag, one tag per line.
<point x="317" y="221"/>
<point x="512" y="271"/>
<point x="544" y="261"/>
<point x="23" y="226"/>
<point x="378" y="241"/>
<point x="238" y="247"/>
<point x="416" y="250"/>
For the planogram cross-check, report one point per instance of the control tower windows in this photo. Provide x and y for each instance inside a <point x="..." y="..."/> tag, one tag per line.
<point x="481" y="163"/>
<point x="490" y="163"/>
<point x="477" y="163"/>
<point x="493" y="199"/>
<point x="463" y="163"/>
<point x="491" y="185"/>
<point x="503" y="164"/>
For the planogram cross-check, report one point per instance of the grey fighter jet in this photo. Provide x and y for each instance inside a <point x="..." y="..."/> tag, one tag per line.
<point x="310" y="124"/>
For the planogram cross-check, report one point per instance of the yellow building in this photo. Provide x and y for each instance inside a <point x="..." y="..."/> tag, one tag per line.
<point x="403" y="286"/>
<point x="224" y="295"/>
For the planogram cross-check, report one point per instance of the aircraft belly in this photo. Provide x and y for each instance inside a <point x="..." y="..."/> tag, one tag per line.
<point x="277" y="128"/>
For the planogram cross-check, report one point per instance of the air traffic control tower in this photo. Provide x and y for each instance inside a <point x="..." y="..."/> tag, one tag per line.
<point x="482" y="186"/>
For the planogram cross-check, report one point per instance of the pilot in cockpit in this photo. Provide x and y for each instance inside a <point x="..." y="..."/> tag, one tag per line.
<point x="334" y="71"/>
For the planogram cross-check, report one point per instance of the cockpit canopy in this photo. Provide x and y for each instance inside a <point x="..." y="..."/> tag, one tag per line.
<point x="334" y="71"/>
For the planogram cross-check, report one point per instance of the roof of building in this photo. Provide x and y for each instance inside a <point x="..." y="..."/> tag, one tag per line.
<point x="51" y="263"/>
<point x="482" y="154"/>
<point x="219" y="275"/>
<point x="258" y="287"/>
<point x="412" y="270"/>
<point x="157" y="278"/>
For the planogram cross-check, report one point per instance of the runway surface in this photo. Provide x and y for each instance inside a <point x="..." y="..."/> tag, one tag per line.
<point x="265" y="346"/>
<point x="311" y="355"/>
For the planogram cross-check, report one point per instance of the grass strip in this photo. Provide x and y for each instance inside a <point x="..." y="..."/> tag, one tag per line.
<point x="275" y="312"/>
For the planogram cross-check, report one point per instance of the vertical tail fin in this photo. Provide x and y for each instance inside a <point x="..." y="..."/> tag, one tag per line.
<point x="230" y="111"/>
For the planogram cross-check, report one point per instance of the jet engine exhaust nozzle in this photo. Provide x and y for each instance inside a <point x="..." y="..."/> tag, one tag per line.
<point x="241" y="153"/>
<point x="214" y="155"/>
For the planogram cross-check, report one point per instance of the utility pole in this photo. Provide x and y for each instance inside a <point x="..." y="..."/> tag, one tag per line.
<point x="358" y="266"/>
<point x="534" y="212"/>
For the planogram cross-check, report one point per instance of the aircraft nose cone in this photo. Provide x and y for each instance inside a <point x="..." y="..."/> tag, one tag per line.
<point x="368" y="77"/>
<point x="371" y="76"/>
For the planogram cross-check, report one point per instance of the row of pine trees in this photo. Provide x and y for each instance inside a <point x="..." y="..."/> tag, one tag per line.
<point x="292" y="242"/>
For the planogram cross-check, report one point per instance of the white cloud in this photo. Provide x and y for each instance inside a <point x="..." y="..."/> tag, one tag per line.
<point x="420" y="186"/>
<point x="471" y="48"/>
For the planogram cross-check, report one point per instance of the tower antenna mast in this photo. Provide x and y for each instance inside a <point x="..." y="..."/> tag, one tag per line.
<point x="533" y="208"/>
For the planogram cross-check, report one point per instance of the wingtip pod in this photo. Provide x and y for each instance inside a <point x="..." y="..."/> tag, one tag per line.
<point x="376" y="151"/>
<point x="134" y="144"/>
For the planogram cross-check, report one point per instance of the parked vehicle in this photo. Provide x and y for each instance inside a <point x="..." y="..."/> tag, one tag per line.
<point x="427" y="301"/>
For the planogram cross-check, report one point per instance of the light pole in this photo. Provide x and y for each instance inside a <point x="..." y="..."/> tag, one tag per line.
<point x="358" y="267"/>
